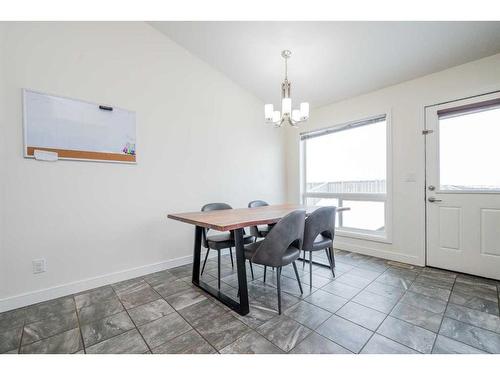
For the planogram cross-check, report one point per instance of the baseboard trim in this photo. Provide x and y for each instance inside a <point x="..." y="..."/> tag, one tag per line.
<point x="389" y="255"/>
<point x="62" y="290"/>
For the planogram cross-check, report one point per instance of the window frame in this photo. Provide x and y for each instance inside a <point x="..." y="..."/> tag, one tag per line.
<point x="357" y="233"/>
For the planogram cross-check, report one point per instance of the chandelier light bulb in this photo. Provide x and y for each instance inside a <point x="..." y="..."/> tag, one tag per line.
<point x="287" y="114"/>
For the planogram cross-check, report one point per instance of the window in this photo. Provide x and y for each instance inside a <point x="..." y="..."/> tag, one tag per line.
<point x="346" y="166"/>
<point x="468" y="147"/>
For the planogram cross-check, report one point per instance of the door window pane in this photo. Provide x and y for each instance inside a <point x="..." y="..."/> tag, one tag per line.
<point x="469" y="151"/>
<point x="364" y="215"/>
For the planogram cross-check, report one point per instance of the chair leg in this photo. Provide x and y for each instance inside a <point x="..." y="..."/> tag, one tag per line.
<point x="304" y="260"/>
<point x="251" y="269"/>
<point x="205" y="262"/>
<point x="329" y="256"/>
<point x="231" y="253"/>
<point x="310" y="269"/>
<point x="265" y="269"/>
<point x="298" y="278"/>
<point x="278" y="284"/>
<point x="332" y="261"/>
<point x="218" y="269"/>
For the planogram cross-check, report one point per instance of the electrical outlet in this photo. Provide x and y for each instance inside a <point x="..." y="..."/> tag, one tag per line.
<point x="39" y="265"/>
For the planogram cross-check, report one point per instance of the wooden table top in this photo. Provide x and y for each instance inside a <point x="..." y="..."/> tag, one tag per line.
<point x="224" y="220"/>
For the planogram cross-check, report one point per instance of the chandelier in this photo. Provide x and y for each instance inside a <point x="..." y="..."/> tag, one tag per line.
<point x="286" y="115"/>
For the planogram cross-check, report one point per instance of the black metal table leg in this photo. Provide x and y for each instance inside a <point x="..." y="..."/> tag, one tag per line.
<point x="197" y="255"/>
<point x="241" y="307"/>
<point x="242" y="272"/>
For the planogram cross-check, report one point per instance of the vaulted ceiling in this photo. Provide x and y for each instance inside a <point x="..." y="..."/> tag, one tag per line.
<point x="332" y="60"/>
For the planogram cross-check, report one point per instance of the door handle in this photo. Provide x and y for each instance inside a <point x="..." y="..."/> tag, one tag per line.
<point x="433" y="200"/>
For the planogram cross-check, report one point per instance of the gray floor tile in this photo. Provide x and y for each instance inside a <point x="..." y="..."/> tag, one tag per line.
<point x="307" y="314"/>
<point x="385" y="290"/>
<point x="164" y="329"/>
<point x="271" y="300"/>
<point x="50" y="309"/>
<point x="418" y="316"/>
<point x="376" y="301"/>
<point x="150" y="311"/>
<point x="362" y="315"/>
<point x="437" y="273"/>
<point x="352" y="280"/>
<point x="317" y="344"/>
<point x="284" y="332"/>
<point x="204" y="310"/>
<point x="50" y="327"/>
<point x="445" y="345"/>
<point x="160" y="278"/>
<point x="188" y="343"/>
<point x="327" y="301"/>
<point x="341" y="289"/>
<point x="64" y="343"/>
<point x="395" y="281"/>
<point x="137" y="294"/>
<point x="12" y="319"/>
<point x="474" y="302"/>
<point x="251" y="343"/>
<point x="429" y="280"/>
<point x="476" y="290"/>
<point x="172" y="287"/>
<point x="129" y="342"/>
<point x="129" y="285"/>
<point x="474" y="317"/>
<point x="90" y="313"/>
<point x="364" y="273"/>
<point x="471" y="335"/>
<point x="185" y="298"/>
<point x="258" y="315"/>
<point x="10" y="339"/>
<point x="407" y="334"/>
<point x="477" y="281"/>
<point x="345" y="333"/>
<point x="382" y="345"/>
<point x="317" y="280"/>
<point x="419" y="300"/>
<point x="103" y="329"/>
<point x="182" y="271"/>
<point x="221" y="330"/>
<point x="430" y="291"/>
<point x="99" y="295"/>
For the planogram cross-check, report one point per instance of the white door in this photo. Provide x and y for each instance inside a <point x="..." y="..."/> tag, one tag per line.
<point x="463" y="185"/>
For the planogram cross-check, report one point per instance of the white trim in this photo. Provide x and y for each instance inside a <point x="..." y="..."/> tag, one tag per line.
<point x="389" y="255"/>
<point x="62" y="290"/>
<point x="386" y="237"/>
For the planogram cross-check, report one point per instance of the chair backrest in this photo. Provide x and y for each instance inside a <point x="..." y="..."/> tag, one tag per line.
<point x="212" y="207"/>
<point x="254" y="231"/>
<point x="321" y="221"/>
<point x="287" y="232"/>
<point x="257" y="203"/>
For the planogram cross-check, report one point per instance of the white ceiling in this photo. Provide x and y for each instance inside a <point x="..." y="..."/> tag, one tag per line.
<point x="332" y="60"/>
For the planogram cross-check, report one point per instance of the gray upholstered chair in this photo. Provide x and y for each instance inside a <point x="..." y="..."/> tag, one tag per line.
<point x="281" y="247"/>
<point x="262" y="230"/>
<point x="221" y="241"/>
<point x="319" y="231"/>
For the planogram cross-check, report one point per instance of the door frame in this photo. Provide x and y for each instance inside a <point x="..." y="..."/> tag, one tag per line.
<point x="426" y="244"/>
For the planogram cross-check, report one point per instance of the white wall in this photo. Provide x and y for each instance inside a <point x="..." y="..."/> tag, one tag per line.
<point x="3" y="283"/>
<point x="406" y="101"/>
<point x="201" y="139"/>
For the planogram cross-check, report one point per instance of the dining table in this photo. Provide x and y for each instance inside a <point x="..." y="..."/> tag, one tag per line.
<point x="234" y="220"/>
